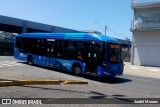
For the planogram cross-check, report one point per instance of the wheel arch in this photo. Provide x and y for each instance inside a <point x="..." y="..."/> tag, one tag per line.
<point x="76" y="64"/>
<point x="28" y="58"/>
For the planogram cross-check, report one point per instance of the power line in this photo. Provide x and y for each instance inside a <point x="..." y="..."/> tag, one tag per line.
<point x="113" y="32"/>
<point x="109" y="29"/>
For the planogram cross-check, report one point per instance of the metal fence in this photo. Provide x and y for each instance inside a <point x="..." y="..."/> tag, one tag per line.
<point x="146" y="24"/>
<point x="6" y="48"/>
<point x="126" y="54"/>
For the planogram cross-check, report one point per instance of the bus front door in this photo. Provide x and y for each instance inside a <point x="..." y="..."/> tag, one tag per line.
<point x="92" y="58"/>
<point x="50" y="61"/>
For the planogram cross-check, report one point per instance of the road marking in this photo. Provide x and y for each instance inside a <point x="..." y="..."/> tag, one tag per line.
<point x="13" y="62"/>
<point x="6" y="61"/>
<point x="9" y="63"/>
<point x="18" y="64"/>
<point x="6" y="64"/>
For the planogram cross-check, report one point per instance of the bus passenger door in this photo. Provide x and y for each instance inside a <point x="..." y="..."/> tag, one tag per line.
<point x="50" y="61"/>
<point x="93" y="57"/>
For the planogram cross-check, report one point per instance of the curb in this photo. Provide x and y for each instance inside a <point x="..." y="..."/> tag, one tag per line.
<point x="39" y="82"/>
<point x="74" y="82"/>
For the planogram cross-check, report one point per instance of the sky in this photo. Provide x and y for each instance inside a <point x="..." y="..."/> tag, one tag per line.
<point x="76" y="14"/>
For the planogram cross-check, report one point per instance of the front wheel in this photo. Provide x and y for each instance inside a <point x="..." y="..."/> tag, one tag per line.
<point x="77" y="70"/>
<point x="30" y="60"/>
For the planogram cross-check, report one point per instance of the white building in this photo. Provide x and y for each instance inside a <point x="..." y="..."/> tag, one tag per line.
<point x="146" y="34"/>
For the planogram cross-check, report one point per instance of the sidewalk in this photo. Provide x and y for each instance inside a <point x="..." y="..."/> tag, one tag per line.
<point x="145" y="71"/>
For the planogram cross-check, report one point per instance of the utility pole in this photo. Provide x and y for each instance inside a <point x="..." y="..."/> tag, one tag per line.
<point x="134" y="1"/>
<point x="105" y="29"/>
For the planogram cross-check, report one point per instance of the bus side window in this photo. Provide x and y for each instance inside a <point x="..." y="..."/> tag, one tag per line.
<point x="69" y="51"/>
<point x="81" y="51"/>
<point x="40" y="47"/>
<point x="59" y="48"/>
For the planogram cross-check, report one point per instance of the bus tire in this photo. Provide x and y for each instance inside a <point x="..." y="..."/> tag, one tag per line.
<point x="77" y="70"/>
<point x="30" y="60"/>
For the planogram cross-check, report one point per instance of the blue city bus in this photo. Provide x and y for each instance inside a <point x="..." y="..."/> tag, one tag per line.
<point x="79" y="53"/>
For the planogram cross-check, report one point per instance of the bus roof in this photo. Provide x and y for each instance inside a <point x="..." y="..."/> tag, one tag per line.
<point x="70" y="36"/>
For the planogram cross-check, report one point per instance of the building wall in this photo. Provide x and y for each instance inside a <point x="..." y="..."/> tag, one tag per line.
<point x="146" y="48"/>
<point x="146" y="34"/>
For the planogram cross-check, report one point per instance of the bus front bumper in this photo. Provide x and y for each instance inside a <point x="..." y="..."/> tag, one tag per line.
<point x="112" y="72"/>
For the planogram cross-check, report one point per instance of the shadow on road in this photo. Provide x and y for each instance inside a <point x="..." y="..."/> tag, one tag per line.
<point x="89" y="94"/>
<point x="110" y="80"/>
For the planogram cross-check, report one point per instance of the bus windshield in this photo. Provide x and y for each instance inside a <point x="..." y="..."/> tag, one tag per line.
<point x="113" y="52"/>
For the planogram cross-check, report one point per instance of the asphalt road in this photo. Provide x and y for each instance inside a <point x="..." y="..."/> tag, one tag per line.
<point x="126" y="86"/>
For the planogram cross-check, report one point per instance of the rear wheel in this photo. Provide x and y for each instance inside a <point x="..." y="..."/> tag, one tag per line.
<point x="77" y="70"/>
<point x="30" y="60"/>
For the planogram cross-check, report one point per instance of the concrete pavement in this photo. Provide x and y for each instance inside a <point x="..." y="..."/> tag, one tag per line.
<point x="15" y="73"/>
<point x="144" y="71"/>
<point x="125" y="86"/>
<point x="24" y="74"/>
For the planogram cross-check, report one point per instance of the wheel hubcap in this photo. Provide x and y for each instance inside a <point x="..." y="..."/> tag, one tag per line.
<point x="77" y="70"/>
<point x="30" y="61"/>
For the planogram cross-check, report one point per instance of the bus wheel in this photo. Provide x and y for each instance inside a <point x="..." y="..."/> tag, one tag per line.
<point x="77" y="70"/>
<point x="30" y="60"/>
